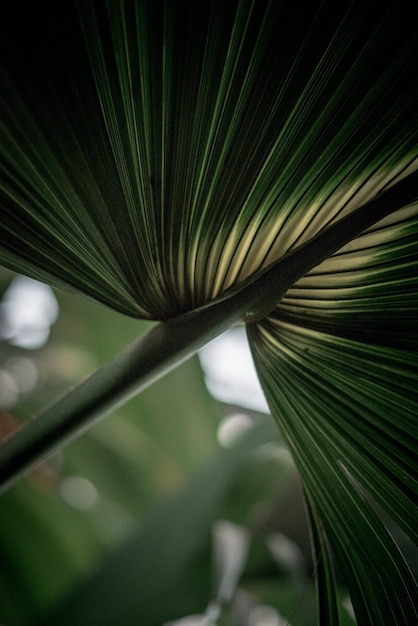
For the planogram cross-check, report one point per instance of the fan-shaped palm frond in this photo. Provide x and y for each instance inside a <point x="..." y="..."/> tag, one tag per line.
<point x="201" y="164"/>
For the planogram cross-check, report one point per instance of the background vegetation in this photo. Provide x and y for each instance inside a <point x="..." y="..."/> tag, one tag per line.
<point x="128" y="511"/>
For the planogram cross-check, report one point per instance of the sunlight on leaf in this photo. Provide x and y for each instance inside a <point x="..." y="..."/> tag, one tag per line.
<point x="199" y="144"/>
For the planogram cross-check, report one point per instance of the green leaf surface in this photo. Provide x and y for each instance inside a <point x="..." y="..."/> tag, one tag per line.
<point x="198" y="144"/>
<point x="327" y="605"/>
<point x="345" y="397"/>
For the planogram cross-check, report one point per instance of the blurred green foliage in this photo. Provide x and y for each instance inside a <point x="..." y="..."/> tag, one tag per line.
<point x="117" y="528"/>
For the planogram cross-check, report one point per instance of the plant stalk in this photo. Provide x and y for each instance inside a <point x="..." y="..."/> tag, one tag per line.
<point x="168" y="344"/>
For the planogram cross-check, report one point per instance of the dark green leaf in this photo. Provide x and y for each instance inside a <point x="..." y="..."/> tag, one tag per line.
<point x="157" y="153"/>
<point x="346" y="399"/>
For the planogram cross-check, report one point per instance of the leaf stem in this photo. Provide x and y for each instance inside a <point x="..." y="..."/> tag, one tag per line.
<point x="125" y="375"/>
<point x="168" y="344"/>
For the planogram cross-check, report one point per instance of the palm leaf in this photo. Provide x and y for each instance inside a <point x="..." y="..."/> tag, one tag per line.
<point x="173" y="159"/>
<point x="198" y="144"/>
<point x="338" y="362"/>
<point x="361" y="545"/>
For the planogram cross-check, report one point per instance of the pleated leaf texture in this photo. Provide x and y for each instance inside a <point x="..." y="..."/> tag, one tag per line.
<point x="157" y="154"/>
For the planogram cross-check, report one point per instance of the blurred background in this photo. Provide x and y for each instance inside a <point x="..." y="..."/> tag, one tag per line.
<point x="183" y="507"/>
